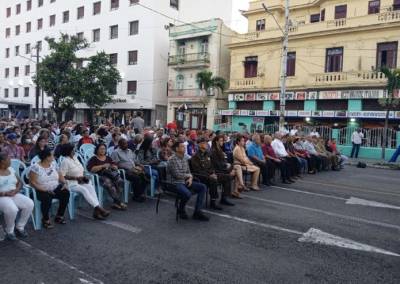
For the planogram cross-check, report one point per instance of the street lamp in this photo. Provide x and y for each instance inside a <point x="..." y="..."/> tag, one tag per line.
<point x="283" y="62"/>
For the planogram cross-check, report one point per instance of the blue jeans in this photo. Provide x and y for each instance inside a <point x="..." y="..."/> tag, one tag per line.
<point x="355" y="150"/>
<point x="154" y="175"/>
<point x="396" y="154"/>
<point x="303" y="164"/>
<point x="185" y="193"/>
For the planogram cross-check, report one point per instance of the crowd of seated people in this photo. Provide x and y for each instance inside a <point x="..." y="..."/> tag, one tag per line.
<point x="195" y="162"/>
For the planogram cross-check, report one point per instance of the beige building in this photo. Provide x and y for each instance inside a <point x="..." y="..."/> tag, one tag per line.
<point x="336" y="49"/>
<point x="193" y="48"/>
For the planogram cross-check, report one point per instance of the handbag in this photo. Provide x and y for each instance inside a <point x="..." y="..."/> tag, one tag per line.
<point x="111" y="174"/>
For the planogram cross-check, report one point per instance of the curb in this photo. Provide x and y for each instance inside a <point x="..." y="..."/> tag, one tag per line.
<point x="378" y="166"/>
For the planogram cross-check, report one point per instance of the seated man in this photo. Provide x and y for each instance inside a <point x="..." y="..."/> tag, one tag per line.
<point x="281" y="153"/>
<point x="271" y="157"/>
<point x="205" y="172"/>
<point x="125" y="159"/>
<point x="315" y="156"/>
<point x="255" y="153"/>
<point x="178" y="172"/>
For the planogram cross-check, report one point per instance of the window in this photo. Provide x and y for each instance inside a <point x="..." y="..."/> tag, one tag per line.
<point x="52" y="1"/>
<point x="26" y="92"/>
<point x="52" y="20"/>
<point x="133" y="2"/>
<point x="132" y="57"/>
<point x="114" y="32"/>
<point x="81" y="12"/>
<point x="18" y="9"/>
<point x="28" y="5"/>
<point x="340" y="12"/>
<point x="114" y="4"/>
<point x="28" y="27"/>
<point x="396" y="4"/>
<point x="6" y="93"/>
<point x="260" y="25"/>
<point x="39" y="45"/>
<point x="250" y="66"/>
<point x="17" y="50"/>
<point x="27" y="70"/>
<point x="374" y="7"/>
<point x="334" y="59"/>
<point x="80" y="36"/>
<point x="174" y="4"/>
<point x="16" y="92"/>
<point x="8" y="32"/>
<point x="96" y="35"/>
<point x="16" y="71"/>
<point x="204" y="46"/>
<point x="315" y="18"/>
<point x="134" y="28"/>
<point x="132" y="87"/>
<point x="180" y="82"/>
<point x="7" y="52"/>
<point x="96" y="8"/>
<point x="27" y="48"/>
<point x="7" y="72"/>
<point x="40" y="3"/>
<point x="8" y="12"/>
<point x="386" y="55"/>
<point x="322" y="15"/>
<point x="114" y="58"/>
<point x="17" y="30"/>
<point x="65" y="17"/>
<point x="291" y="64"/>
<point x="39" y="24"/>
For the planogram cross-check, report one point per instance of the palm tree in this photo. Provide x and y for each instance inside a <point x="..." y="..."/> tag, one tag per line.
<point x="390" y="101"/>
<point x="206" y="82"/>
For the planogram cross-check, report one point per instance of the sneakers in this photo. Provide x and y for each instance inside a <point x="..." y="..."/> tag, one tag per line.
<point x="199" y="216"/>
<point x="21" y="233"/>
<point x="10" y="237"/>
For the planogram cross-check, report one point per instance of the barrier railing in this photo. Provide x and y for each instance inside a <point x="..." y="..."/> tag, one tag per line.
<point x="372" y="137"/>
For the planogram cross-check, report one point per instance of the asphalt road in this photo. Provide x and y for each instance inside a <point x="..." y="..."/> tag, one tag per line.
<point x="263" y="239"/>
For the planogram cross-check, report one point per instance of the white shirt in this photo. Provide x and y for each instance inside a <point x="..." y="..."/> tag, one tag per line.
<point x="71" y="167"/>
<point x="47" y="178"/>
<point x="279" y="148"/>
<point x="293" y="132"/>
<point x="314" y="133"/>
<point x="8" y="183"/>
<point x="356" y="138"/>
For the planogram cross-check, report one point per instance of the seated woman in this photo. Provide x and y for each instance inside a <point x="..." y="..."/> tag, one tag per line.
<point x="219" y="162"/>
<point x="72" y="170"/>
<point x="40" y="145"/>
<point x="49" y="184"/>
<point x="104" y="166"/>
<point x="165" y="151"/>
<point x="11" y="201"/>
<point x="147" y="156"/>
<point x="63" y="140"/>
<point x="240" y="158"/>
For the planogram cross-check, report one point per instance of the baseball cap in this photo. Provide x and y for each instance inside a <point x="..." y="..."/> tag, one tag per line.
<point x="12" y="136"/>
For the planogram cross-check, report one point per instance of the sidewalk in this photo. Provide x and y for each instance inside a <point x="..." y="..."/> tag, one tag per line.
<point x="374" y="163"/>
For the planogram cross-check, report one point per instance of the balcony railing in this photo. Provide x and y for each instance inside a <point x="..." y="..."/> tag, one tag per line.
<point x="191" y="58"/>
<point x="349" y="77"/>
<point x="330" y="77"/>
<point x="184" y="93"/>
<point x="247" y="83"/>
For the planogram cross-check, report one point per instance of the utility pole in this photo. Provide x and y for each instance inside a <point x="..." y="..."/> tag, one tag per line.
<point x="284" y="69"/>
<point x="37" y="86"/>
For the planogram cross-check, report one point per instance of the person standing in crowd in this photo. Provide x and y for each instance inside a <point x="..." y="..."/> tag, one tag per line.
<point x="110" y="179"/>
<point x="138" y="123"/>
<point x="255" y="153"/>
<point x="11" y="201"/>
<point x="73" y="172"/>
<point x="13" y="150"/>
<point x="203" y="169"/>
<point x="240" y="158"/>
<point x="356" y="140"/>
<point x="124" y="158"/>
<point x="314" y="132"/>
<point x="49" y="184"/>
<point x="178" y="172"/>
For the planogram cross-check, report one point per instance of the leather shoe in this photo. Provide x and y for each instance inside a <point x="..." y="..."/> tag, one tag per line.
<point x="198" y="215"/>
<point x="226" y="202"/>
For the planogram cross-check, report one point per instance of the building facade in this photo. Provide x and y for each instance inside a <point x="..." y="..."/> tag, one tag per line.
<point x="193" y="48"/>
<point x="336" y="51"/>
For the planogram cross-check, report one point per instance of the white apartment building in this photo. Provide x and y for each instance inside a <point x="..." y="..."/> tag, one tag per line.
<point x="193" y="48"/>
<point x="135" y="33"/>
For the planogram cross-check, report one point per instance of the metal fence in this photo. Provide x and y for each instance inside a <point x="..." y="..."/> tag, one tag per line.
<point x="372" y="137"/>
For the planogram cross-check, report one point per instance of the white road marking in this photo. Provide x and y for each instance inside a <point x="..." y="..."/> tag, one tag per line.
<point x="356" y="219"/>
<point x="316" y="236"/>
<point x="37" y="251"/>
<point x="363" y="202"/>
<point x="351" y="188"/>
<point x="309" y="193"/>
<point x="119" y="225"/>
<point x="85" y="281"/>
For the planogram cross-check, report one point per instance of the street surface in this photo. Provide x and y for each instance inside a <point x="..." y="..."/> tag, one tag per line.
<point x="335" y="227"/>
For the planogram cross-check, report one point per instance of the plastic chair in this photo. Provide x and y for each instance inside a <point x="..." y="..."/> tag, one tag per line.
<point x="87" y="149"/>
<point x="18" y="166"/>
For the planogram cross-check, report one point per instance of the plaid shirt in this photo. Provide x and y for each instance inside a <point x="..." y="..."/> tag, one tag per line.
<point x="178" y="169"/>
<point x="16" y="152"/>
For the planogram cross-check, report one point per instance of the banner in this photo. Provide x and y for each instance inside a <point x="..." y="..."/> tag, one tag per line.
<point x="250" y="97"/>
<point x="304" y="113"/>
<point x="262" y="97"/>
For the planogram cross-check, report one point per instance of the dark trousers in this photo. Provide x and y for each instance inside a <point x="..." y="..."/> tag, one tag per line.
<point x="46" y="199"/>
<point x="212" y="185"/>
<point x="267" y="170"/>
<point x="355" y="150"/>
<point x="283" y="168"/>
<point x="138" y="181"/>
<point x="294" y="166"/>
<point x="185" y="193"/>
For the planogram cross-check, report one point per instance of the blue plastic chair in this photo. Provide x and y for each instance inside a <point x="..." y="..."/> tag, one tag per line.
<point x="18" y="166"/>
<point x="87" y="149"/>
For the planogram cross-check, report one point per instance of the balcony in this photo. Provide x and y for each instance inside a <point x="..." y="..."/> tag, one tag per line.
<point x="362" y="78"/>
<point x="191" y="60"/>
<point x="247" y="84"/>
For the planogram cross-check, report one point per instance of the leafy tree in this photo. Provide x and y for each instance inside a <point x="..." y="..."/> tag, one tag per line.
<point x="390" y="102"/>
<point x="207" y="82"/>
